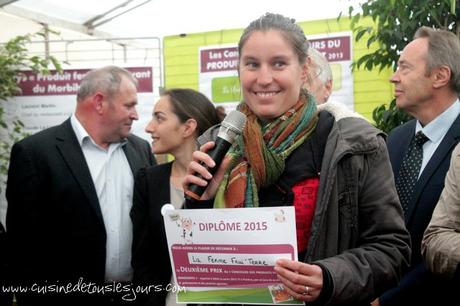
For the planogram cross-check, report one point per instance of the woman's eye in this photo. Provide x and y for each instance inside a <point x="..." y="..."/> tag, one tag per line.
<point x="279" y="64"/>
<point x="251" y="65"/>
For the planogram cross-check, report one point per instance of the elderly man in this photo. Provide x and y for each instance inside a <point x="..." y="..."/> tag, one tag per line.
<point x="319" y="81"/>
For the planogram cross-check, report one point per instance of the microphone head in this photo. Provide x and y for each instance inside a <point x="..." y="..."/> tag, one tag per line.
<point x="235" y="120"/>
<point x="232" y="126"/>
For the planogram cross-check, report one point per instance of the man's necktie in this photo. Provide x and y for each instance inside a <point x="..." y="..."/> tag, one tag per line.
<point x="410" y="169"/>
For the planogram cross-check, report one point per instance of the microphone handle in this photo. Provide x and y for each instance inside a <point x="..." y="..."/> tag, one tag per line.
<point x="217" y="154"/>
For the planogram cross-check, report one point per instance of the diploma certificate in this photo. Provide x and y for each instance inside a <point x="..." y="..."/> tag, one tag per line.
<point x="228" y="255"/>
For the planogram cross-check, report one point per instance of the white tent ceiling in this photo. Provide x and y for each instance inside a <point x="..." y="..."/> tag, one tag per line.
<point x="158" y="18"/>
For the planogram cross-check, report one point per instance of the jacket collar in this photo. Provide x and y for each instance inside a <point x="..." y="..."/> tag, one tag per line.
<point x="351" y="133"/>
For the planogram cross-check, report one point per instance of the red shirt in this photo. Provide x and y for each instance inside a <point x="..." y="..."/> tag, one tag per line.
<point x="305" y="195"/>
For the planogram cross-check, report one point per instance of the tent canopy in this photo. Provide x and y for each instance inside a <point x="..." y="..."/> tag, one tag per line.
<point x="158" y="18"/>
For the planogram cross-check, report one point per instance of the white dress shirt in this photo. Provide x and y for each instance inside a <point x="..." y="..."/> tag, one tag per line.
<point x="436" y="130"/>
<point x="113" y="180"/>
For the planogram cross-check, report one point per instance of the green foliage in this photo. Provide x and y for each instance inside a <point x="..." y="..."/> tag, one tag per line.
<point x="395" y="24"/>
<point x="14" y="59"/>
<point x="387" y="119"/>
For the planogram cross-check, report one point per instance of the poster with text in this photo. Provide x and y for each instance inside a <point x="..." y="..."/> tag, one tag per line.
<point x="218" y="69"/>
<point x="48" y="100"/>
<point x="218" y="75"/>
<point x="228" y="255"/>
<point x="337" y="48"/>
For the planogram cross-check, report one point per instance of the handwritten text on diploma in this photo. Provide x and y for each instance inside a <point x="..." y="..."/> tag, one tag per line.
<point x="235" y="259"/>
<point x="237" y="265"/>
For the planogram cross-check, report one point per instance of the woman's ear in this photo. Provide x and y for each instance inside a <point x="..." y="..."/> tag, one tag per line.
<point x="190" y="127"/>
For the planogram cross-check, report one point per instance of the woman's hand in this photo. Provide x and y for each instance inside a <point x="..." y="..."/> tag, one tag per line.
<point x="201" y="160"/>
<point x="303" y="281"/>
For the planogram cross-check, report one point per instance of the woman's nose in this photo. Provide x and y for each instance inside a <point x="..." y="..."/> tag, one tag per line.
<point x="150" y="126"/>
<point x="265" y="76"/>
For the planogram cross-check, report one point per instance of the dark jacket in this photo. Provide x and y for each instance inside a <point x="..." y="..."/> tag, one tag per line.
<point x="54" y="220"/>
<point x="150" y="256"/>
<point x="426" y="194"/>
<point x="358" y="235"/>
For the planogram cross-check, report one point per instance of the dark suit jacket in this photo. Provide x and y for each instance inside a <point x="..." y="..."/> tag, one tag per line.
<point x="150" y="256"/>
<point x="54" y="220"/>
<point x="418" y="285"/>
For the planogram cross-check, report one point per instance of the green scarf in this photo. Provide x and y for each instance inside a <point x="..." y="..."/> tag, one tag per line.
<point x="257" y="157"/>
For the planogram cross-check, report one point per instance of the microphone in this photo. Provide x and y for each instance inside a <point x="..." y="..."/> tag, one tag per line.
<point x="230" y="128"/>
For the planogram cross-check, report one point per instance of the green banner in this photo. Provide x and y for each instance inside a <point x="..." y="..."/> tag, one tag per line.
<point x="225" y="89"/>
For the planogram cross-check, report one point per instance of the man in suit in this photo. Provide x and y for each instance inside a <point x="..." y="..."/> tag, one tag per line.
<point x="69" y="194"/>
<point x="427" y="84"/>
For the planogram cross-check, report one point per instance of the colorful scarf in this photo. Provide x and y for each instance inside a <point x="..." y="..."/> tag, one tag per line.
<point x="257" y="158"/>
